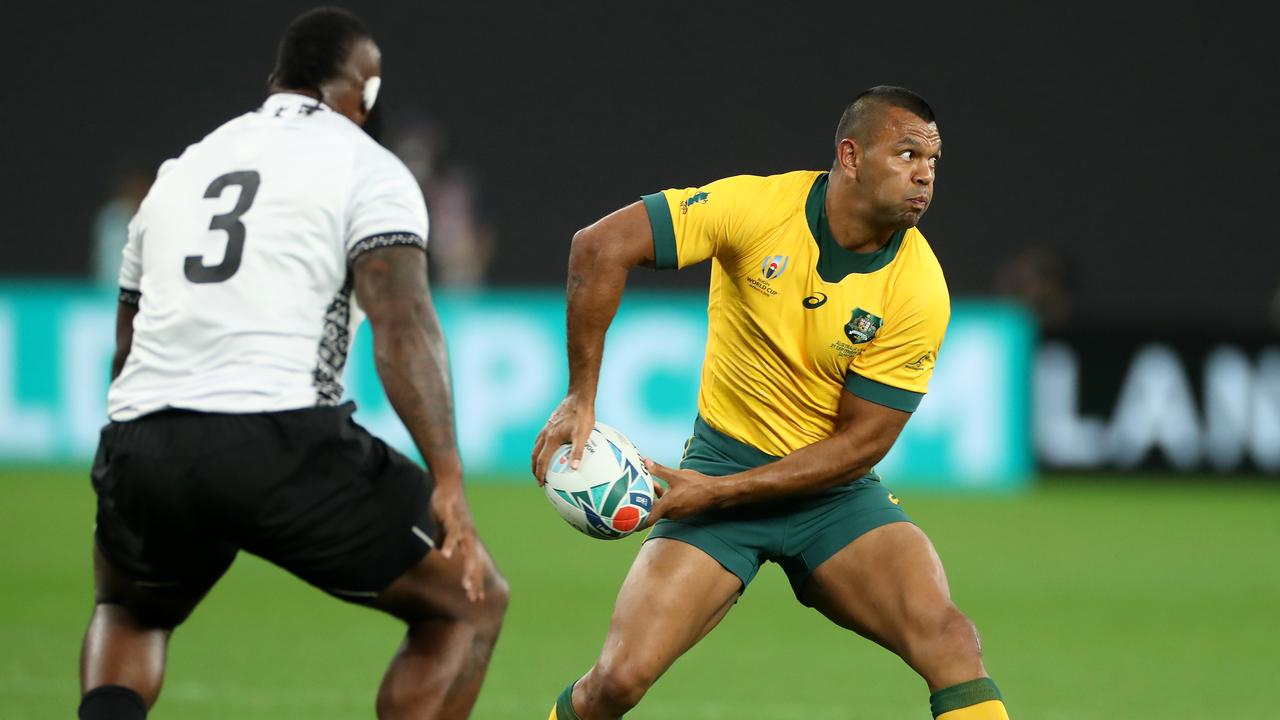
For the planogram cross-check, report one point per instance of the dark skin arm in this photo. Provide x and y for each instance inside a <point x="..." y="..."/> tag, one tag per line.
<point x="599" y="260"/>
<point x="412" y="362"/>
<point x="125" y="312"/>
<point x="864" y="432"/>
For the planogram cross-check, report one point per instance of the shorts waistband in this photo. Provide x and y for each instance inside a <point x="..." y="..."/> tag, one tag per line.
<point x="733" y="455"/>
<point x="735" y="450"/>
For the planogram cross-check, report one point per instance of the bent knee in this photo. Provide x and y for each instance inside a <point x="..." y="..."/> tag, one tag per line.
<point x="497" y="596"/>
<point x="485" y="614"/>
<point x="496" y="585"/>
<point x="947" y="632"/>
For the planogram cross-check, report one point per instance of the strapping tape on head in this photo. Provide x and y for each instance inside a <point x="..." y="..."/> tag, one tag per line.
<point x="371" y="87"/>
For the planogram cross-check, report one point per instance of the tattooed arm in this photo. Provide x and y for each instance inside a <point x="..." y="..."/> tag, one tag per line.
<point x="409" y="350"/>
<point x="598" y="263"/>
<point x="413" y="364"/>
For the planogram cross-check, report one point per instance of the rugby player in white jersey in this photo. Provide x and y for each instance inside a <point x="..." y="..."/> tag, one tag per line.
<point x="247" y="269"/>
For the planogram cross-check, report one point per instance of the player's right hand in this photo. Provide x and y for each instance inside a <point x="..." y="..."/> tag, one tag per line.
<point x="571" y="422"/>
<point x="451" y="511"/>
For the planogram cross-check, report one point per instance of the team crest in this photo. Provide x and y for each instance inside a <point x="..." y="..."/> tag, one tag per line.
<point x="773" y="266"/>
<point x="694" y="199"/>
<point x="862" y="326"/>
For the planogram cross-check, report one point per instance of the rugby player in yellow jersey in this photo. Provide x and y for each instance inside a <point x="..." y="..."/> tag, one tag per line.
<point x="826" y="313"/>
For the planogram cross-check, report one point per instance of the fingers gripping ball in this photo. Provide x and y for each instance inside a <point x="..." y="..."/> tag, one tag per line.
<point x="611" y="492"/>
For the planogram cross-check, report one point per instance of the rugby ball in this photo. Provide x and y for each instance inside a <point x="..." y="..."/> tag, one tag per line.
<point x="611" y="492"/>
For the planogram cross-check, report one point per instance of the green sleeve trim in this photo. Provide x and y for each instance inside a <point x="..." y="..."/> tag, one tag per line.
<point x="966" y="694"/>
<point x="881" y="394"/>
<point x="664" y="232"/>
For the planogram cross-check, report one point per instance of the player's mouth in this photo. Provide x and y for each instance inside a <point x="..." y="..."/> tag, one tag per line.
<point x="920" y="202"/>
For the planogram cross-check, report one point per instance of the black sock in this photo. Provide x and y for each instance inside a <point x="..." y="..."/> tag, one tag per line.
<point x="112" y="702"/>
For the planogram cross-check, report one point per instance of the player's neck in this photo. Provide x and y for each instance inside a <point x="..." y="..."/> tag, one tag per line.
<point x="849" y="225"/>
<point x="294" y="91"/>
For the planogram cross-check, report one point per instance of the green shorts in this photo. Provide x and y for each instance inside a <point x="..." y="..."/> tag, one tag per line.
<point x="797" y="534"/>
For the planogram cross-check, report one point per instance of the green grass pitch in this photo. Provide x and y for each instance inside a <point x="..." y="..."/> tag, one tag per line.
<point x="1096" y="600"/>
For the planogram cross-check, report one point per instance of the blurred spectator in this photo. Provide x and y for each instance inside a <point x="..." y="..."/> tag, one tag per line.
<point x="1041" y="278"/>
<point x="461" y="243"/>
<point x="111" y="226"/>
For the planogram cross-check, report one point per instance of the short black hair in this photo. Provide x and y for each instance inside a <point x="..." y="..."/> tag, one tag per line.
<point x="314" y="48"/>
<point x="870" y="101"/>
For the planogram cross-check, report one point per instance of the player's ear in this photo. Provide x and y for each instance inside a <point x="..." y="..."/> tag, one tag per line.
<point x="847" y="156"/>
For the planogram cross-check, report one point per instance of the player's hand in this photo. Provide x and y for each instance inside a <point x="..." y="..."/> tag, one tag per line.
<point x="451" y="511"/>
<point x="571" y="422"/>
<point x="687" y="493"/>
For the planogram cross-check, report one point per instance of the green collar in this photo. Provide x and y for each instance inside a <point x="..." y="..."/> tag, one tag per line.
<point x="834" y="262"/>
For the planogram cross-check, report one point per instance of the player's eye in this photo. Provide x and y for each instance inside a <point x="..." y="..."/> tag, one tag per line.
<point x="933" y="162"/>
<point x="906" y="155"/>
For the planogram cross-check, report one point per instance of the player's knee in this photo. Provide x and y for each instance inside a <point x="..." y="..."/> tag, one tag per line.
<point x="485" y="616"/>
<point x="961" y="636"/>
<point x="946" y="634"/>
<point x="620" y="685"/>
<point x="497" y="595"/>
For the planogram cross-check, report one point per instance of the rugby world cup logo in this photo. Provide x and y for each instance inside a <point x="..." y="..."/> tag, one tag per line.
<point x="773" y="266"/>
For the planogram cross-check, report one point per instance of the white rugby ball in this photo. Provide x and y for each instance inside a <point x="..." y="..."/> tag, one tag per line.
<point x="611" y="492"/>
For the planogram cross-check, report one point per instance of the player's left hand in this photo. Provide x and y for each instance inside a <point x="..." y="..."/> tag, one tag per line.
<point x="451" y="511"/>
<point x="687" y="493"/>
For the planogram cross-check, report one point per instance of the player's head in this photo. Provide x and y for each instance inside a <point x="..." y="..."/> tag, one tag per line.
<point x="887" y="149"/>
<point x="329" y="54"/>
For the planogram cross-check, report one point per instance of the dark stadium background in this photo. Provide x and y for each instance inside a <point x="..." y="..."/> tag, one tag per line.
<point x="1112" y="166"/>
<point x="1135" y="139"/>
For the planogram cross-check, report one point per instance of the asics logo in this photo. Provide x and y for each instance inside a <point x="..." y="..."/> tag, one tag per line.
<point x="815" y="300"/>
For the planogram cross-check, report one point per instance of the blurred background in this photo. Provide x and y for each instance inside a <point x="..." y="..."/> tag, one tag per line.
<point x="1104" y="421"/>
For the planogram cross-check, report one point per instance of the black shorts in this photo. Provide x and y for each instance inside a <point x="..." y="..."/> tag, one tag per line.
<point x="180" y="492"/>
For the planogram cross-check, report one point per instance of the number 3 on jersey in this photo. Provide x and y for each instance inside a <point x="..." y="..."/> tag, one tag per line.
<point x="229" y="222"/>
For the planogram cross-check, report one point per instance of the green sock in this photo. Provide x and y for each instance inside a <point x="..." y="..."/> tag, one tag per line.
<point x="564" y="704"/>
<point x="956" y="698"/>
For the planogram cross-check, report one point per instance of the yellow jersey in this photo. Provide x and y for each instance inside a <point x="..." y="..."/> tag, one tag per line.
<point x="793" y="318"/>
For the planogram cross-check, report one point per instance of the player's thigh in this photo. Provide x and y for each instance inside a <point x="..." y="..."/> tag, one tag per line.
<point x="673" y="596"/>
<point x="432" y="589"/>
<point x="883" y="585"/>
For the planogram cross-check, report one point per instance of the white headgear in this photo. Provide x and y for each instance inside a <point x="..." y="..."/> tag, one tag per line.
<point x="371" y="87"/>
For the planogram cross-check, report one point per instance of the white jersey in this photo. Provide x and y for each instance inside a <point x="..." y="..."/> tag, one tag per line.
<point x="240" y="260"/>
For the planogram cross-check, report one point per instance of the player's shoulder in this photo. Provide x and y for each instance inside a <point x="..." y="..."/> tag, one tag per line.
<point x="371" y="162"/>
<point x="778" y="194"/>
<point x="371" y="153"/>
<point x="921" y="274"/>
<point x="779" y="184"/>
<point x="918" y="246"/>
